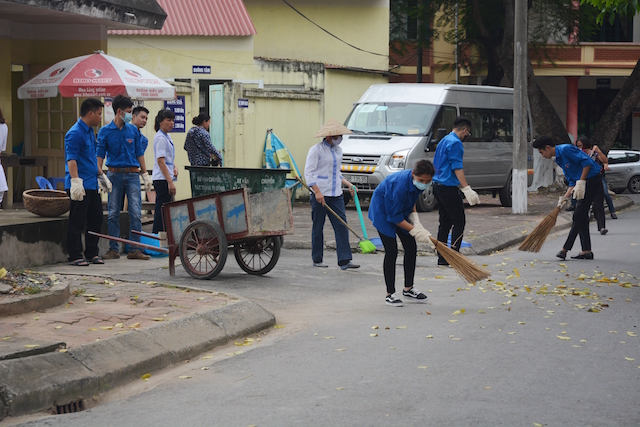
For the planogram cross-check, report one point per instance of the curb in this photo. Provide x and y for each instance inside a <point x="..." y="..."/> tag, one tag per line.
<point x="39" y="383"/>
<point x="57" y="295"/>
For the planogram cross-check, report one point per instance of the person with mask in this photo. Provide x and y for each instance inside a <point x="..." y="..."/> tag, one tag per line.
<point x="393" y="212"/>
<point x="120" y="143"/>
<point x="449" y="176"/>
<point x="323" y="176"/>
<point x="585" y="185"/>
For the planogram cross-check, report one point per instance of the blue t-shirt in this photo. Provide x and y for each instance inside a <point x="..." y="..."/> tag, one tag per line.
<point x="144" y="141"/>
<point x="572" y="160"/>
<point x="447" y="159"/>
<point x="80" y="145"/>
<point x="392" y="202"/>
<point x="121" y="146"/>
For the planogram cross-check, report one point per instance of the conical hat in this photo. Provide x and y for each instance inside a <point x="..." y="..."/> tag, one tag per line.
<point x="332" y="128"/>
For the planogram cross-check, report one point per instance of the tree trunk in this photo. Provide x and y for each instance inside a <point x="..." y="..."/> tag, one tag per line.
<point x="545" y="117"/>
<point x="617" y="112"/>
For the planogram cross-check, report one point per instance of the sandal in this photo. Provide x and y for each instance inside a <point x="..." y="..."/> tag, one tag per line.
<point x="79" y="263"/>
<point x="97" y="260"/>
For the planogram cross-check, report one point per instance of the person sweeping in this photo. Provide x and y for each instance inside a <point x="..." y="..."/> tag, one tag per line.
<point x="585" y="183"/>
<point x="393" y="212"/>
<point x="323" y="176"/>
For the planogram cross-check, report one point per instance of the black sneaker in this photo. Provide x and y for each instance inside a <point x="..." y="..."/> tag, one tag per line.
<point x="443" y="263"/>
<point x="393" y="301"/>
<point x="414" y="295"/>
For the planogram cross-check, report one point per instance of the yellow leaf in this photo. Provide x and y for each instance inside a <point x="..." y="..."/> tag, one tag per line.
<point x="205" y="368"/>
<point x="92" y="329"/>
<point x="593" y="310"/>
<point x="106" y="328"/>
<point x="58" y="327"/>
<point x="184" y="377"/>
<point x="151" y="283"/>
<point x="428" y="312"/>
<point x="509" y="277"/>
<point x="278" y="326"/>
<point x="329" y="338"/>
<point x="36" y="318"/>
<point x="455" y="313"/>
<point x="340" y="349"/>
<point x="630" y="359"/>
<point x="453" y="321"/>
<point x="63" y="350"/>
<point x="373" y="335"/>
<point x="210" y="356"/>
<point x="517" y="273"/>
<point x="135" y="325"/>
<point x="511" y="333"/>
<point x="3" y="272"/>
<point x="146" y="376"/>
<point x="374" y="327"/>
<point x="487" y="388"/>
<point x="422" y="367"/>
<point x="440" y="277"/>
<point x="339" y="388"/>
<point x="520" y="323"/>
<point x="88" y="295"/>
<point x="538" y="425"/>
<point x="239" y="344"/>
<point x="631" y="334"/>
<point x="563" y="338"/>
<point x="401" y="327"/>
<point x="158" y="319"/>
<point x="32" y="345"/>
<point x="482" y="312"/>
<point x="462" y="310"/>
<point x="200" y="299"/>
<point x="456" y="339"/>
<point x="6" y="338"/>
<point x="583" y="341"/>
<point x="561" y="264"/>
<point x="429" y="336"/>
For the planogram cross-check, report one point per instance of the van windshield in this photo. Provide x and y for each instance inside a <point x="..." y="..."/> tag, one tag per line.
<point x="391" y="118"/>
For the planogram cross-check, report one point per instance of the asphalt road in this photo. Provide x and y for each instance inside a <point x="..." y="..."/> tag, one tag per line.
<point x="519" y="355"/>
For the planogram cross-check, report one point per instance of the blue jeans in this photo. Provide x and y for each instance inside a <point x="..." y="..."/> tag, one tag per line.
<point x="124" y="184"/>
<point x="607" y="197"/>
<point x="318" y="214"/>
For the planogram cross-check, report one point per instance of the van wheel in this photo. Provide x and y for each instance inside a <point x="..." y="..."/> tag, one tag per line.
<point x="427" y="200"/>
<point x="506" y="199"/>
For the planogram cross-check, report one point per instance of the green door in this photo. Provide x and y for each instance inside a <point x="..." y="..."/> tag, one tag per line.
<point x="216" y="111"/>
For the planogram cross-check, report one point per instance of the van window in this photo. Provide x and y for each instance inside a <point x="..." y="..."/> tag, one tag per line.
<point x="489" y="125"/>
<point x="391" y="118"/>
<point x="445" y="119"/>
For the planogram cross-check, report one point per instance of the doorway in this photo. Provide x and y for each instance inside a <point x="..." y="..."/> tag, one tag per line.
<point x="592" y="104"/>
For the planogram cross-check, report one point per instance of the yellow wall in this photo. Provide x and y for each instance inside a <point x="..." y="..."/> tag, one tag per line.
<point x="343" y="89"/>
<point x="282" y="33"/>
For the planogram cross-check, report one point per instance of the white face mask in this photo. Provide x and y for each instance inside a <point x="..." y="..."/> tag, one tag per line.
<point x="337" y="140"/>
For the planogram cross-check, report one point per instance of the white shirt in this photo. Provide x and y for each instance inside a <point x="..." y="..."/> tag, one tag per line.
<point x="4" y="131"/>
<point x="163" y="147"/>
<point x="323" y="168"/>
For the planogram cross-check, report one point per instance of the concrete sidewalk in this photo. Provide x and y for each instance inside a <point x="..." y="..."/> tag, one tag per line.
<point x="111" y="332"/>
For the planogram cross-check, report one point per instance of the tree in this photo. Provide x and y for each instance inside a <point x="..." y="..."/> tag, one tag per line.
<point x="628" y="97"/>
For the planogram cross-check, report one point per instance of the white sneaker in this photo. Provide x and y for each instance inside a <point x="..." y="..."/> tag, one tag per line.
<point x="414" y="295"/>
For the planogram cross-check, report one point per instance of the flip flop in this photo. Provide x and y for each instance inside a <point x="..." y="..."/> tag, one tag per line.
<point x="79" y="263"/>
<point x="97" y="260"/>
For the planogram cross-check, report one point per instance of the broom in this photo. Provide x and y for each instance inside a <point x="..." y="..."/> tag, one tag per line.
<point x="365" y="246"/>
<point x="535" y="240"/>
<point x="465" y="267"/>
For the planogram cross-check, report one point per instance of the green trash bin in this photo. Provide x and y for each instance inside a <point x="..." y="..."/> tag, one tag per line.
<point x="209" y="180"/>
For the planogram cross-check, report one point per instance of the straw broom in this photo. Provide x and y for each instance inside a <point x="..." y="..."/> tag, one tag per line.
<point x="465" y="267"/>
<point x="535" y="240"/>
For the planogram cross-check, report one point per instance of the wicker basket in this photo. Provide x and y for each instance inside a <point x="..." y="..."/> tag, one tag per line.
<point x="48" y="203"/>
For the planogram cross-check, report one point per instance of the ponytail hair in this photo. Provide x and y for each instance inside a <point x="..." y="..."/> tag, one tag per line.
<point x="163" y="114"/>
<point x="203" y="117"/>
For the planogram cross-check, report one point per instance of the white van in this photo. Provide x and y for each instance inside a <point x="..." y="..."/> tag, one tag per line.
<point x="395" y="125"/>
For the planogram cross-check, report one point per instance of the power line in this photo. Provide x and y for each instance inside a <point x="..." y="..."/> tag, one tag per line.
<point x="331" y="34"/>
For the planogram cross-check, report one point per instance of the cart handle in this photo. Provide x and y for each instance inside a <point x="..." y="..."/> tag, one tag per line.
<point x="130" y="242"/>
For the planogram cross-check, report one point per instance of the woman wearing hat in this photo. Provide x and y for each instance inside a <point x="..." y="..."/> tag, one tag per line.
<point x="323" y="176"/>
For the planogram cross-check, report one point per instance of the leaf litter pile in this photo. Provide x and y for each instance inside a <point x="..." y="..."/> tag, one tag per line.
<point x="26" y="282"/>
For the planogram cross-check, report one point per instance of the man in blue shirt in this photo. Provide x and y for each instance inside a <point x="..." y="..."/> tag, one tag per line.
<point x="139" y="120"/>
<point x="583" y="174"/>
<point x="82" y="179"/>
<point x="120" y="143"/>
<point x="449" y="175"/>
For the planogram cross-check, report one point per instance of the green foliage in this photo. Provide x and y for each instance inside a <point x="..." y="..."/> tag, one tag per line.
<point x="611" y="8"/>
<point x="76" y="292"/>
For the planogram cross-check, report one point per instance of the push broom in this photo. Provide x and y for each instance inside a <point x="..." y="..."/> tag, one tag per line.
<point x="465" y="267"/>
<point x="365" y="245"/>
<point x="535" y="240"/>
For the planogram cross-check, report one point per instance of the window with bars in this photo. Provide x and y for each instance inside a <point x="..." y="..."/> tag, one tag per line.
<point x="54" y="117"/>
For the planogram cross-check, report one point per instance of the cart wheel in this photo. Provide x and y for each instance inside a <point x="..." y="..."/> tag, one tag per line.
<point x="258" y="256"/>
<point x="203" y="249"/>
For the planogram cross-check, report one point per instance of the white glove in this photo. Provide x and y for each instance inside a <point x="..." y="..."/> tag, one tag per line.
<point x="104" y="183"/>
<point x="470" y="195"/>
<point x="77" y="190"/>
<point x="562" y="200"/>
<point x="579" y="189"/>
<point x="422" y="235"/>
<point x="148" y="184"/>
<point x="414" y="219"/>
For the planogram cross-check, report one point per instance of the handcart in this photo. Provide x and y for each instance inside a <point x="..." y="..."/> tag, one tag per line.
<point x="202" y="229"/>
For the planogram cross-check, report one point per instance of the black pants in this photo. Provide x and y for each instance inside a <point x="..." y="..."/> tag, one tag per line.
<point x="598" y="208"/>
<point x="84" y="216"/>
<point x="391" y="253"/>
<point x="162" y="197"/>
<point x="580" y="225"/>
<point x="452" y="216"/>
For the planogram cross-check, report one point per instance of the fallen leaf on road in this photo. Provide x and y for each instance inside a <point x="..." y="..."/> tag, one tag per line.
<point x="340" y="349"/>
<point x="520" y="323"/>
<point x="613" y="332"/>
<point x="184" y="377"/>
<point x="630" y="359"/>
<point x="440" y="277"/>
<point x="631" y="334"/>
<point x="329" y="337"/>
<point x="401" y="327"/>
<point x="429" y="336"/>
<point x="455" y="313"/>
<point x="146" y="376"/>
<point x="135" y="325"/>
<point x="563" y="338"/>
<point x="593" y="310"/>
<point x="428" y="312"/>
<point x="487" y="388"/>
<point x="89" y="295"/>
<point x="205" y="368"/>
<point x="339" y="388"/>
<point x="373" y="335"/>
<point x="64" y="350"/>
<point x="538" y="425"/>
<point x="517" y="273"/>
<point x="511" y="333"/>
<point x="31" y="345"/>
<point x="6" y="338"/>
<point x="3" y="272"/>
<point x="106" y="328"/>
<point x="58" y="327"/>
<point x="561" y="264"/>
<point x="482" y="312"/>
<point x="158" y="319"/>
<point x="453" y="321"/>
<point x="423" y="367"/>
<point x="239" y="344"/>
<point x="374" y="327"/>
<point x="200" y="299"/>
<point x="36" y="318"/>
<point x="209" y="356"/>
<point x="278" y="326"/>
<point x="583" y="341"/>
<point x="152" y="283"/>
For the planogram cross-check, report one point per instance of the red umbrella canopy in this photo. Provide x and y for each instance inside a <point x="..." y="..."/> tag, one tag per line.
<point x="96" y="75"/>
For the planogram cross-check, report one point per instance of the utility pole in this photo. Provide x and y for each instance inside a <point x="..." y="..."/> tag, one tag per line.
<point x="520" y="101"/>
<point x="456" y="55"/>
